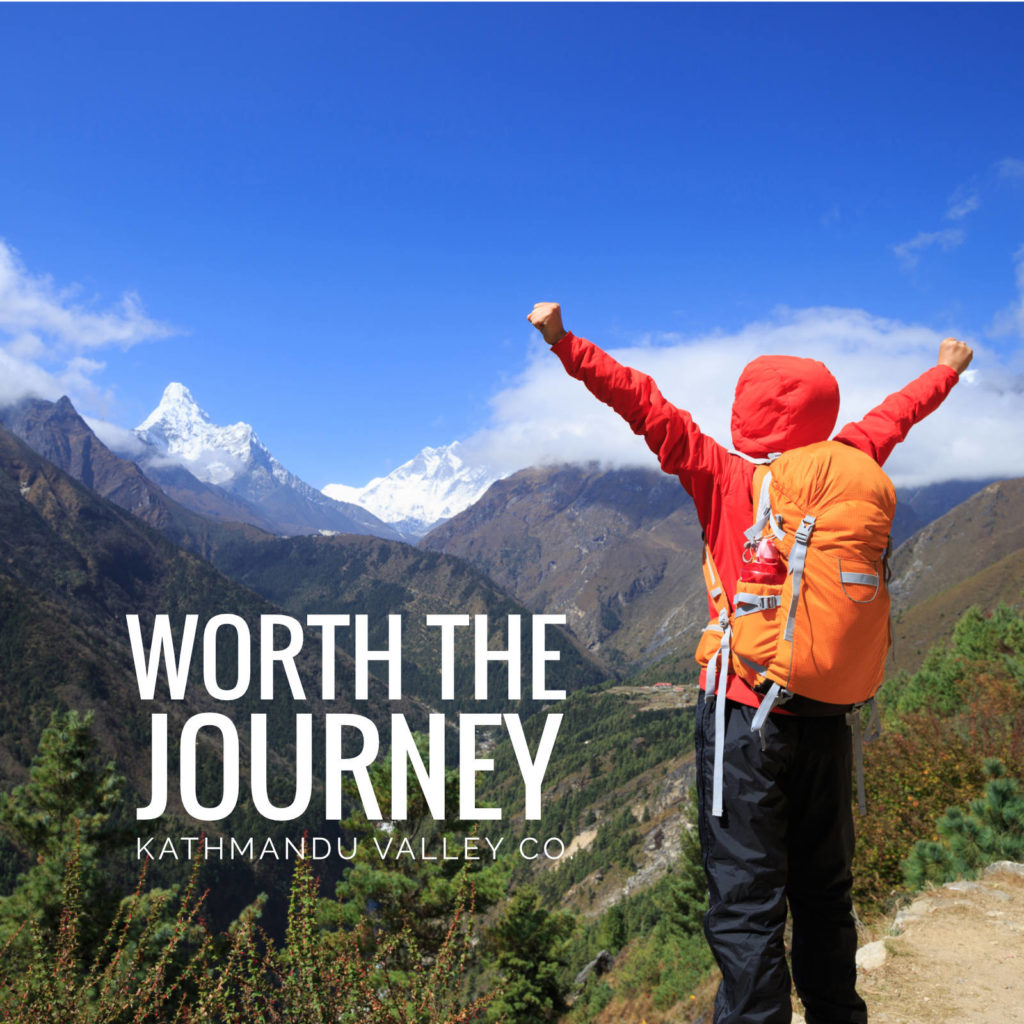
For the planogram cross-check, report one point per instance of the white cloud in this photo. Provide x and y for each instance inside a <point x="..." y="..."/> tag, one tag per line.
<point x="962" y="202"/>
<point x="546" y="416"/>
<point x="1010" y="167"/>
<point x="47" y="337"/>
<point x="121" y="440"/>
<point x="909" y="253"/>
<point x="73" y="377"/>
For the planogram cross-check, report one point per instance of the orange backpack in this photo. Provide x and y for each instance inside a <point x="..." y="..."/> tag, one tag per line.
<point x="824" y="632"/>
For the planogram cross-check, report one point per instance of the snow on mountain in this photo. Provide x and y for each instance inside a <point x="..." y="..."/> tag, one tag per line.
<point x="179" y="432"/>
<point x="435" y="485"/>
<point x="177" y="427"/>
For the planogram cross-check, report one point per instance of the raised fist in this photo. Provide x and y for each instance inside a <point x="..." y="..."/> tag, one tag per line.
<point x="956" y="354"/>
<point x="547" y="318"/>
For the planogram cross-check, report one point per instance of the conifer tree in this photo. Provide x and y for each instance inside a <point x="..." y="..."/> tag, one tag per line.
<point x="67" y="806"/>
<point x="991" y="829"/>
<point x="386" y="891"/>
<point x="613" y="932"/>
<point x="688" y="887"/>
<point x="528" y="944"/>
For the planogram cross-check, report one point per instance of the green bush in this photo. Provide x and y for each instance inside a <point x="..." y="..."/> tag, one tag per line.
<point x="962" y="706"/>
<point x="146" y="973"/>
<point x="991" y="829"/>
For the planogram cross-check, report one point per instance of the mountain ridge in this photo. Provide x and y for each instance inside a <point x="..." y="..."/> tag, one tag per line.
<point x="233" y="458"/>
<point x="619" y="550"/>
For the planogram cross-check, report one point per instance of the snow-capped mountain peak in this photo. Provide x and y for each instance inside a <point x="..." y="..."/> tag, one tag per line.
<point x="179" y="428"/>
<point x="434" y="485"/>
<point x="178" y="408"/>
<point x="179" y="432"/>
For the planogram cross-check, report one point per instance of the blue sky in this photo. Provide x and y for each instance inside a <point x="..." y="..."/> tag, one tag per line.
<point x="331" y="220"/>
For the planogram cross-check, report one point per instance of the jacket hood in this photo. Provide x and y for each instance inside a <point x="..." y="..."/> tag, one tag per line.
<point x="783" y="402"/>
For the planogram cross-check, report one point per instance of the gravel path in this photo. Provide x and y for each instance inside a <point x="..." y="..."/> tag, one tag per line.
<point x="956" y="955"/>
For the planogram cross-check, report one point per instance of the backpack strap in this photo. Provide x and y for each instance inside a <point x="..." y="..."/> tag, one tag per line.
<point x="764" y="461"/>
<point x="717" y="680"/>
<point x="762" y="507"/>
<point x="769" y="701"/>
<point x="859" y="739"/>
<point x="717" y="674"/>
<point x="713" y="581"/>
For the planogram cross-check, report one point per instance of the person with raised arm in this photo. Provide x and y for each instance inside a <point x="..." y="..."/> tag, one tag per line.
<point x="785" y="833"/>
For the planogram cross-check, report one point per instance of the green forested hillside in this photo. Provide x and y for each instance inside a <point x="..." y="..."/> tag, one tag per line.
<point x="964" y="705"/>
<point x="623" y="775"/>
<point x="72" y="566"/>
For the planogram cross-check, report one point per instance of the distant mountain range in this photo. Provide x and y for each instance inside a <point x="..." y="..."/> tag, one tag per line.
<point x="616" y="550"/>
<point x="341" y="573"/>
<point x="228" y="472"/>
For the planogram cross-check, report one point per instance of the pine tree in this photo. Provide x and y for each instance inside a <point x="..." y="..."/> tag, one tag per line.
<point x="688" y="887"/>
<point x="383" y="894"/>
<point x="613" y="932"/>
<point x="67" y="807"/>
<point x="981" y="643"/>
<point x="528" y="944"/>
<point x="991" y="829"/>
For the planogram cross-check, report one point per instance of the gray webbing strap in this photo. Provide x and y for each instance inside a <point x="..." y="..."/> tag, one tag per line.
<point x="720" y="679"/>
<point x="765" y="708"/>
<point x="868" y="579"/>
<point x="860" y="737"/>
<point x="745" y="604"/>
<point x="776" y="695"/>
<point x="797" y="556"/>
<point x="763" y="512"/>
<point x="750" y="663"/>
<point x="858" y="757"/>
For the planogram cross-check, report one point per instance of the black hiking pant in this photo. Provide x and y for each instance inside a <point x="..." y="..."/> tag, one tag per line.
<point x="785" y="836"/>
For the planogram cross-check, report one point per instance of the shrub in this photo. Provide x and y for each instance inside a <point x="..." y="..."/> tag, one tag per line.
<point x="991" y="829"/>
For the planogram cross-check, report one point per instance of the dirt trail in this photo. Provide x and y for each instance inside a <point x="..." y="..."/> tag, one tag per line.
<point x="956" y="954"/>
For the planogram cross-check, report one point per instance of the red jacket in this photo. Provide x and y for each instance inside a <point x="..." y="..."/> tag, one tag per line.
<point x="781" y="402"/>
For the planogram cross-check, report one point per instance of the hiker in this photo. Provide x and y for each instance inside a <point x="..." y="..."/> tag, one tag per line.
<point x="784" y="830"/>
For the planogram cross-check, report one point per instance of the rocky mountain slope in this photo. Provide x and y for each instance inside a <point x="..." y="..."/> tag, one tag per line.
<point x="974" y="554"/>
<point x="618" y="551"/>
<point x="918" y="506"/>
